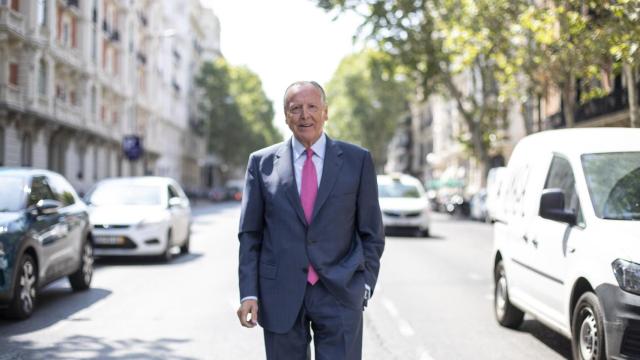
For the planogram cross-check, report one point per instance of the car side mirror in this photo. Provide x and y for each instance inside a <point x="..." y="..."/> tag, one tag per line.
<point x="48" y="206"/>
<point x="552" y="207"/>
<point x="175" y="202"/>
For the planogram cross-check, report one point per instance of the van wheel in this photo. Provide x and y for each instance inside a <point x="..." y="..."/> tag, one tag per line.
<point x="25" y="289"/>
<point x="81" y="279"/>
<point x="506" y="313"/>
<point x="587" y="329"/>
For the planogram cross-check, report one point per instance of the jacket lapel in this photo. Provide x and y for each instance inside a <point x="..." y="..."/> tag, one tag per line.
<point x="332" y="164"/>
<point x="284" y="163"/>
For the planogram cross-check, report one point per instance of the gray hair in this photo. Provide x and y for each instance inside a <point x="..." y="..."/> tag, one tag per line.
<point x="323" y="96"/>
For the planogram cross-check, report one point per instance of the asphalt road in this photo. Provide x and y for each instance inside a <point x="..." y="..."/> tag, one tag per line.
<point x="433" y="301"/>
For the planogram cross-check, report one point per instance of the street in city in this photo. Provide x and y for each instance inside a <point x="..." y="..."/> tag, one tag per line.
<point x="433" y="301"/>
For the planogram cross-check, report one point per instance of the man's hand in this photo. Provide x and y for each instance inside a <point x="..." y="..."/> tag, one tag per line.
<point x="248" y="307"/>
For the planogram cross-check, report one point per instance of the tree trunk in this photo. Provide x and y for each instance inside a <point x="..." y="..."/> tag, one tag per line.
<point x="634" y="116"/>
<point x="527" y="112"/>
<point x="569" y="101"/>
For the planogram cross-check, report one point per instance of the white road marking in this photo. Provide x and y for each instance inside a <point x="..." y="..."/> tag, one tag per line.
<point x="403" y="325"/>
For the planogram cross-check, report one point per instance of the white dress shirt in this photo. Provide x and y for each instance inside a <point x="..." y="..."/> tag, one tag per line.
<point x="299" y="157"/>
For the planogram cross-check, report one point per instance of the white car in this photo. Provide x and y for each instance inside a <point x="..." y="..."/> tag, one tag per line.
<point x="139" y="216"/>
<point x="404" y="204"/>
<point x="567" y="239"/>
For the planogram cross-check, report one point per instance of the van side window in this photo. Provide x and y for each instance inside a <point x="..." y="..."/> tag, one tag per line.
<point x="560" y="176"/>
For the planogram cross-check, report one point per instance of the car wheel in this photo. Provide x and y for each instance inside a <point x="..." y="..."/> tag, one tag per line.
<point x="24" y="295"/>
<point x="184" y="249"/>
<point x="587" y="329"/>
<point x="506" y="313"/>
<point x="81" y="278"/>
<point x="166" y="254"/>
<point x="425" y="233"/>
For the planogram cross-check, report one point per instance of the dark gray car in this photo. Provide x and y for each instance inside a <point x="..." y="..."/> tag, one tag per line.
<point x="44" y="235"/>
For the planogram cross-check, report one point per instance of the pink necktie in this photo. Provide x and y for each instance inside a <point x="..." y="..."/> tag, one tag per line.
<point x="308" y="192"/>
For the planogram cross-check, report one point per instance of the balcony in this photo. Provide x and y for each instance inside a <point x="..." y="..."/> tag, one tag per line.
<point x="12" y="22"/>
<point x="67" y="114"/>
<point x="616" y="101"/>
<point x="12" y="96"/>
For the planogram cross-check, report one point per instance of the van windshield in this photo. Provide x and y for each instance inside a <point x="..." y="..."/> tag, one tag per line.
<point x="613" y="180"/>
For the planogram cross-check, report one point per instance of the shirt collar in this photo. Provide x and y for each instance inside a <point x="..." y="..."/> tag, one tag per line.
<point x="318" y="147"/>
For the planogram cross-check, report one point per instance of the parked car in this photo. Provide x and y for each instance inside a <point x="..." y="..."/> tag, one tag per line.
<point x="44" y="236"/>
<point x="404" y="204"/>
<point x="139" y="216"/>
<point x="567" y="245"/>
<point x="478" y="206"/>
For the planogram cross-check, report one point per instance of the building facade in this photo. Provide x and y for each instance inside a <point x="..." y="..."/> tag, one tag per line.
<point x="81" y="78"/>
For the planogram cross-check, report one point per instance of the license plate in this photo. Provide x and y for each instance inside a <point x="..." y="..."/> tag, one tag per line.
<point x="109" y="240"/>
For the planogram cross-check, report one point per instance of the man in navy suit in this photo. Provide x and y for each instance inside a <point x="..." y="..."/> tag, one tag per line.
<point x="311" y="237"/>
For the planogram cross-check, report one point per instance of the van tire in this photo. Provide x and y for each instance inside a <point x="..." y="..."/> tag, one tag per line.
<point x="587" y="329"/>
<point x="506" y="313"/>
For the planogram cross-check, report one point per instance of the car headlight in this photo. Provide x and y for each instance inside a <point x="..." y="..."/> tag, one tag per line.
<point x="628" y="275"/>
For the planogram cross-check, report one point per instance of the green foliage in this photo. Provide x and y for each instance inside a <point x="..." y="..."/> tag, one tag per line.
<point x="367" y="96"/>
<point x="236" y="111"/>
<point x="508" y="51"/>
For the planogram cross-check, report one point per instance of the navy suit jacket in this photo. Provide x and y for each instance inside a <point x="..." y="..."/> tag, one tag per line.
<point x="344" y="241"/>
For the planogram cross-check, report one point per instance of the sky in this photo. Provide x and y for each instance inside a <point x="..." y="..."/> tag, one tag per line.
<point x="283" y="41"/>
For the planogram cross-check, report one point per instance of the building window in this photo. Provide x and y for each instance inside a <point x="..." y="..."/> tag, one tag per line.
<point x="15" y="5"/>
<point x="42" y="12"/>
<point x="42" y="78"/>
<point x="73" y="99"/>
<point x="26" y="153"/>
<point x="74" y="33"/>
<point x="65" y="34"/>
<point x="13" y="74"/>
<point x="95" y="163"/>
<point x="81" y="153"/>
<point x="94" y="102"/>
<point x="1" y="146"/>
<point x="94" y="46"/>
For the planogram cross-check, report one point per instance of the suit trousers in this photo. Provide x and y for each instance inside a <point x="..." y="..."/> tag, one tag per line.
<point x="337" y="330"/>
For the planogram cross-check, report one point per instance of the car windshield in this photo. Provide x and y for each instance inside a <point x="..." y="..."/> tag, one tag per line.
<point x="397" y="189"/>
<point x="614" y="184"/>
<point x="12" y="194"/>
<point x="125" y="194"/>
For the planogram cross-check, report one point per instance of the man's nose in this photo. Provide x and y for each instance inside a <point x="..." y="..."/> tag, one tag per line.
<point x="305" y="112"/>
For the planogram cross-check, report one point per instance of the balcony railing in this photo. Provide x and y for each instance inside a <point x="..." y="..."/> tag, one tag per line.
<point x="11" y="95"/>
<point x="12" y="21"/>
<point x="616" y="101"/>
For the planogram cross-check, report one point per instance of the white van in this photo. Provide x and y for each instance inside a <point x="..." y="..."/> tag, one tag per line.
<point x="567" y="241"/>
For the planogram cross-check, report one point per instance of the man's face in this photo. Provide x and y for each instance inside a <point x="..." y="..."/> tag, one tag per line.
<point x="305" y="113"/>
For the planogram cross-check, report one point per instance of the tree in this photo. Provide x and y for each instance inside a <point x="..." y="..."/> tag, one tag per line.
<point x="236" y="112"/>
<point x="366" y="99"/>
<point x="452" y="47"/>
<point x="254" y="106"/>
